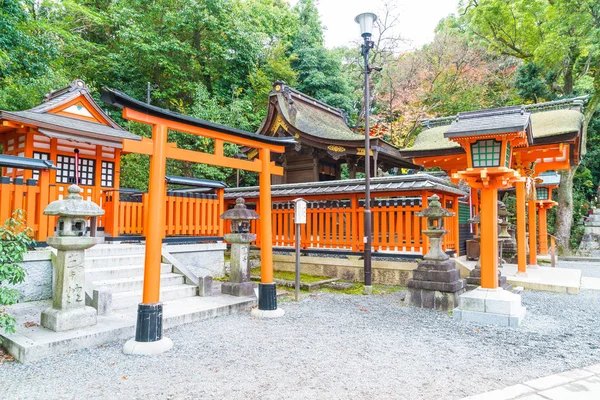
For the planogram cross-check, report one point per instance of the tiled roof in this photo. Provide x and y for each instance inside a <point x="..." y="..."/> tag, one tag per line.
<point x="505" y="120"/>
<point x="403" y="183"/>
<point x="547" y="120"/>
<point x="66" y="124"/>
<point x="313" y="117"/>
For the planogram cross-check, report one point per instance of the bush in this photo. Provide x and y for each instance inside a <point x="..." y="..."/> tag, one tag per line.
<point x="15" y="239"/>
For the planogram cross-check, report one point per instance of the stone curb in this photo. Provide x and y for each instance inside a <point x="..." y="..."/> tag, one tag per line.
<point x="530" y="389"/>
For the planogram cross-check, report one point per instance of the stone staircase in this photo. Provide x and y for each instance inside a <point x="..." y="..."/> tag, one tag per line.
<point x="119" y="269"/>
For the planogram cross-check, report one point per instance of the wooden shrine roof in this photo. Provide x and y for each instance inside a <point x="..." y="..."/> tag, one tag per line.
<point x="400" y="183"/>
<point x="550" y="122"/>
<point x="318" y="124"/>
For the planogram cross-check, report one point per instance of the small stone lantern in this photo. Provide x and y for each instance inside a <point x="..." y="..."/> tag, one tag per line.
<point x="240" y="238"/>
<point x="436" y="281"/>
<point x="435" y="215"/>
<point x="68" y="309"/>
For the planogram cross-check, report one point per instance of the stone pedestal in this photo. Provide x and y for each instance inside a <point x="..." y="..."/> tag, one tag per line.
<point x="68" y="303"/>
<point x="435" y="284"/>
<point x="490" y="307"/>
<point x="239" y="276"/>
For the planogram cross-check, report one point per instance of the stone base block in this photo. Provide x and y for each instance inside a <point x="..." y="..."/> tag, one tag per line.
<point x="434" y="265"/>
<point x="442" y="301"/>
<point x="65" y="320"/>
<point x="147" y="348"/>
<point x="490" y="306"/>
<point x="436" y="286"/>
<point x="258" y="313"/>
<point x="238" y="289"/>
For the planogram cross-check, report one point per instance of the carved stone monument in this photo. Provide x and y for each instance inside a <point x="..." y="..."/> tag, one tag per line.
<point x="239" y="276"/>
<point x="590" y="243"/>
<point x="436" y="281"/>
<point x="68" y="309"/>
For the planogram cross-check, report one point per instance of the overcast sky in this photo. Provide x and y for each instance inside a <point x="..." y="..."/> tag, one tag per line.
<point x="418" y="18"/>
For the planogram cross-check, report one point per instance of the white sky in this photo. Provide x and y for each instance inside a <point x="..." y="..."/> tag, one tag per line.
<point x="418" y="18"/>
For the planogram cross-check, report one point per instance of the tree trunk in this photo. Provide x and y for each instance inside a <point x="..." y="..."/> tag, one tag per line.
<point x="564" y="210"/>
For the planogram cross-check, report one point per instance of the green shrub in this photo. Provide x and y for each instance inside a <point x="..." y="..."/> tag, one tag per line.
<point x="15" y="238"/>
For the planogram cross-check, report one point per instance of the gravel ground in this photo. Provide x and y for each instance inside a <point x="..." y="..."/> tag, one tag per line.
<point x="330" y="346"/>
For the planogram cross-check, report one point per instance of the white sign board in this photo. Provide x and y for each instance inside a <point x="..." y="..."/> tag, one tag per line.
<point x="300" y="211"/>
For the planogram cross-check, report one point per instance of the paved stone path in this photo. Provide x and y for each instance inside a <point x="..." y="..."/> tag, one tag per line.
<point x="577" y="384"/>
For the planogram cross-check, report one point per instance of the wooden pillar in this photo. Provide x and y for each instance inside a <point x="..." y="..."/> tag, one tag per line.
<point x="456" y="225"/>
<point x="44" y="184"/>
<point x="221" y="198"/>
<point x="532" y="233"/>
<point x="489" y="238"/>
<point x="424" y="238"/>
<point x="155" y="216"/>
<point x="475" y="202"/>
<point x="266" y="232"/>
<point x="543" y="227"/>
<point x="521" y="241"/>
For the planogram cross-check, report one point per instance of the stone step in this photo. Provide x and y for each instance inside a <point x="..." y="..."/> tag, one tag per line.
<point x="106" y="250"/>
<point x="122" y="271"/>
<point x="137" y="282"/>
<point x="132" y="298"/>
<point x="110" y="261"/>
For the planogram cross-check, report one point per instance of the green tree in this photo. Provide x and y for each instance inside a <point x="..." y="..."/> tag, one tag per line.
<point x="15" y="239"/>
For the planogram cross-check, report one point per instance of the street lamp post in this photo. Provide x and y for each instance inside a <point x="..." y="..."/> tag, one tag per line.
<point x="366" y="21"/>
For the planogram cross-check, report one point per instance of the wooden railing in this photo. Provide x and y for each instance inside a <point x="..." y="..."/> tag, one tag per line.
<point x="337" y="224"/>
<point x="32" y="197"/>
<point x="186" y="214"/>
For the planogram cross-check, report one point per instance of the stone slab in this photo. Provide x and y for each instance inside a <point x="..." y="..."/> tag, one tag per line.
<point x="581" y="383"/>
<point x="562" y="378"/>
<point x="590" y="283"/>
<point x="547" y="279"/>
<point x="584" y="389"/>
<point x="35" y="342"/>
<point x="508" y="393"/>
<point x="488" y="318"/>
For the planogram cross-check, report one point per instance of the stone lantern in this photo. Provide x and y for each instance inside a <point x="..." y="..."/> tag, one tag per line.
<point x="435" y="215"/>
<point x="68" y="309"/>
<point x="240" y="238"/>
<point x="436" y="281"/>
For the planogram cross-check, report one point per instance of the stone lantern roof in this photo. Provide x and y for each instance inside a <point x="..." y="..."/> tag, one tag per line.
<point x="240" y="212"/>
<point x="74" y="206"/>
<point x="435" y="209"/>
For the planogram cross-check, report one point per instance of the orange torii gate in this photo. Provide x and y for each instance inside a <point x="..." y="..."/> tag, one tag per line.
<point x="148" y="337"/>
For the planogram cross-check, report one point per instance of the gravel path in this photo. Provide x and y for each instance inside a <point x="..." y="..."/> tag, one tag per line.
<point x="330" y="346"/>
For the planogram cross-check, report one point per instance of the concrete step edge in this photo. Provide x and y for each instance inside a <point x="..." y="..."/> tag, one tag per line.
<point x="138" y="292"/>
<point x="133" y="279"/>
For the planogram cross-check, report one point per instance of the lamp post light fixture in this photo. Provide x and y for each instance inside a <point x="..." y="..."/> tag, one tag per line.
<point x="366" y="21"/>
